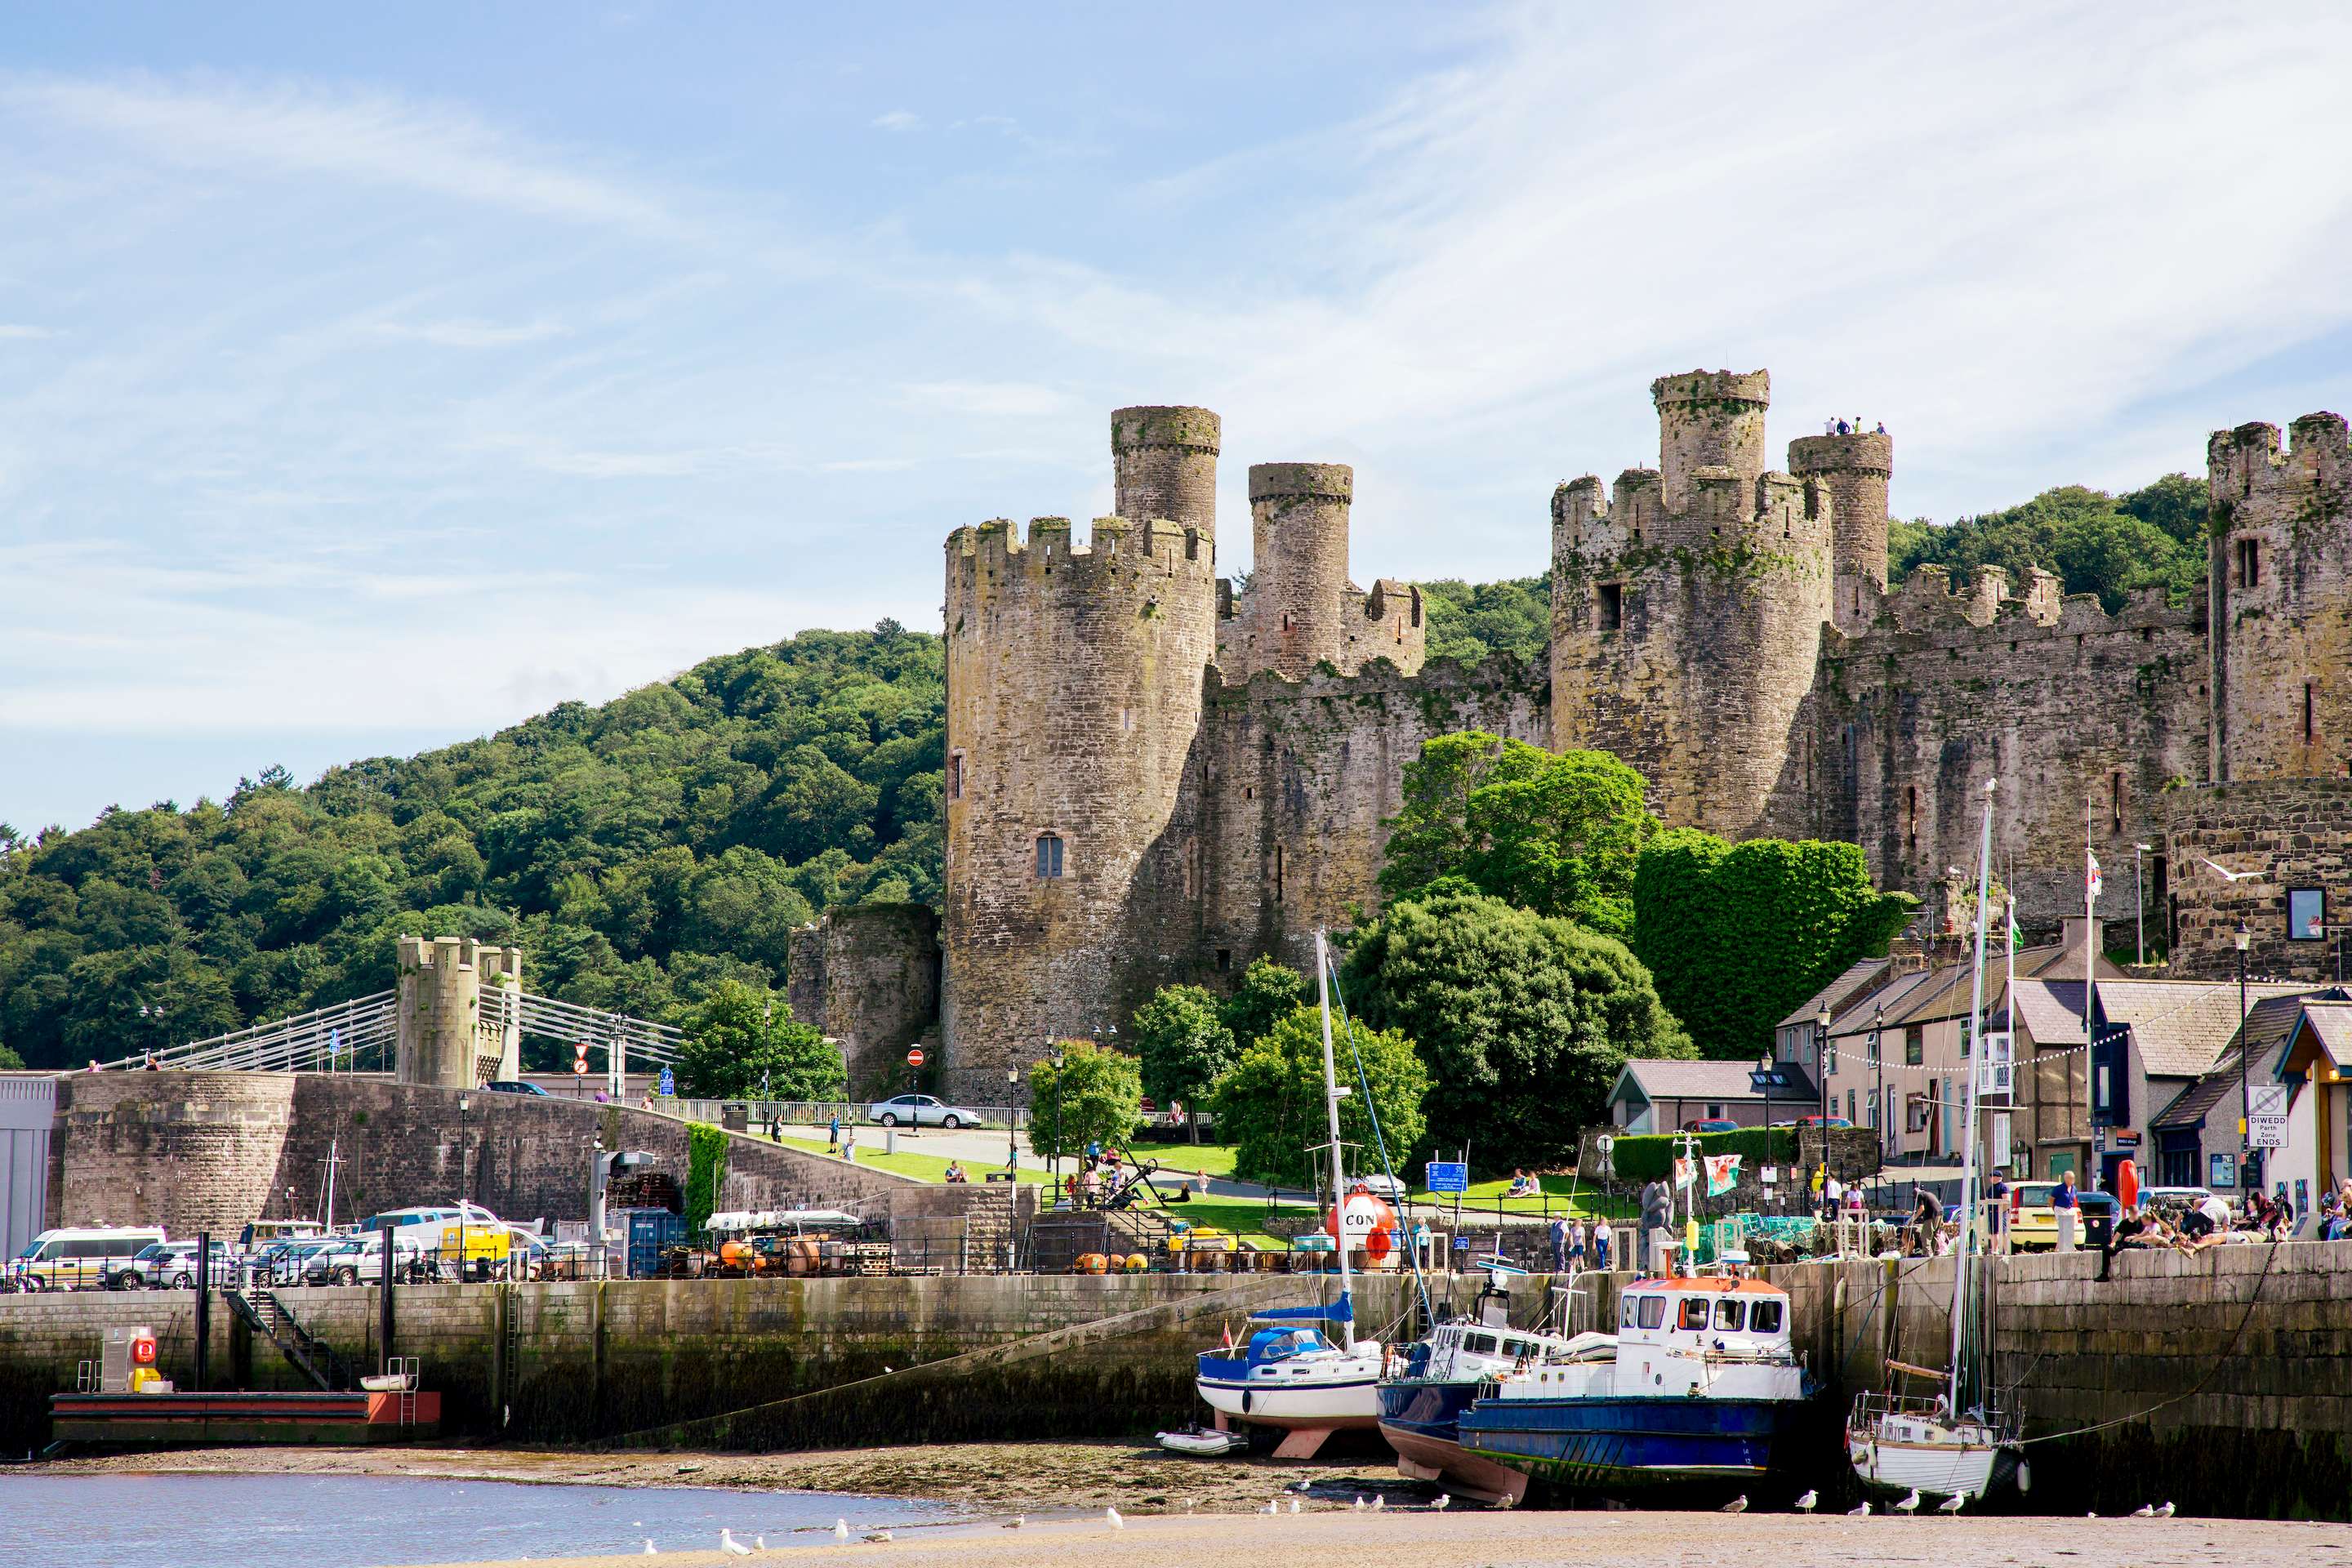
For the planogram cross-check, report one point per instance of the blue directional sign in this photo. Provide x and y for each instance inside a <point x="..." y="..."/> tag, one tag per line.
<point x="1448" y="1177"/>
<point x="669" y="1084"/>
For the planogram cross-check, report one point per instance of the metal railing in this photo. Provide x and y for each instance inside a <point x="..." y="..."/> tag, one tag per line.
<point x="331" y="1037"/>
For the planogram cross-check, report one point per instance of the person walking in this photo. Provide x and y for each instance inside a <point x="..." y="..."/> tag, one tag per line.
<point x="1576" y="1248"/>
<point x="1997" y="1213"/>
<point x="832" y="1132"/>
<point x="1559" y="1244"/>
<point x="2067" y="1209"/>
<point x="1602" y="1233"/>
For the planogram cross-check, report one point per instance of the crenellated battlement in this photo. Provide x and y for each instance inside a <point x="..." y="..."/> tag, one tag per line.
<point x="1773" y="513"/>
<point x="1932" y="608"/>
<point x="1121" y="557"/>
<point x="2250" y="463"/>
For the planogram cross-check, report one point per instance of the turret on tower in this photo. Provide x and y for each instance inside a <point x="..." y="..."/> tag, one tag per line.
<point x="1164" y="464"/>
<point x="1709" y="419"/>
<point x="1300" y="610"/>
<point x="1856" y="469"/>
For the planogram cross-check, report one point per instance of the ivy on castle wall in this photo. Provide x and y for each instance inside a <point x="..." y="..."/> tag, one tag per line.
<point x="706" y="1171"/>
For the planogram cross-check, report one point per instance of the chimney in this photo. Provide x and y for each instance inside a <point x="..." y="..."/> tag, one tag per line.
<point x="2073" y="941"/>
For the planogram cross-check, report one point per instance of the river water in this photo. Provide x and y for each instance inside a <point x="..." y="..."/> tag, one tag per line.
<point x="365" y="1522"/>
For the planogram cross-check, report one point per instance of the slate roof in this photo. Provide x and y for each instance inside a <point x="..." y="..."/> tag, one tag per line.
<point x="2268" y="1023"/>
<point x="1667" y="1079"/>
<point x="1839" y="993"/>
<point x="2180" y="1027"/>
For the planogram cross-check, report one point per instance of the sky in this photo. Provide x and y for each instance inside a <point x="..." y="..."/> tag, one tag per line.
<point x="373" y="378"/>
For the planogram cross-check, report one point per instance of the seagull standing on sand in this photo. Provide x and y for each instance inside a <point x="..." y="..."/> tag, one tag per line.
<point x="1861" y="1512"/>
<point x="1111" y="1517"/>
<point x="1017" y="1521"/>
<point x="759" y="1543"/>
<point x="1953" y="1504"/>
<point x="2145" y="1510"/>
<point x="1445" y="1501"/>
<point x="1360" y="1499"/>
<point x="649" y="1549"/>
<point x="1294" y="1505"/>
<point x="1380" y="1502"/>
<point x="1909" y="1504"/>
<point x="2166" y="1512"/>
<point x="1810" y="1501"/>
<point x="732" y="1547"/>
<point x="841" y="1529"/>
<point x="1737" y="1505"/>
<point x="1273" y="1505"/>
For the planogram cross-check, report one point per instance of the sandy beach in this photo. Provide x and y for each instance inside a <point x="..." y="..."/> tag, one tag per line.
<point x="1351" y="1539"/>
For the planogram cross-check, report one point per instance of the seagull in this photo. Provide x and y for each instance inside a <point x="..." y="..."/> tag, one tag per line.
<point x="1111" y="1517"/>
<point x="2145" y="1510"/>
<point x="732" y="1547"/>
<point x="1909" y="1504"/>
<point x="1380" y="1502"/>
<point x="1861" y="1512"/>
<point x="1810" y="1501"/>
<point x="759" y="1543"/>
<point x="1953" y="1504"/>
<point x="1445" y="1501"/>
<point x="1274" y="1505"/>
<point x="1360" y="1499"/>
<point x="877" y="1535"/>
<point x="649" y="1549"/>
<point x="2229" y="875"/>
<point x="1737" y="1505"/>
<point x="2164" y="1511"/>
<point x="1294" y="1505"/>
<point x="1017" y="1521"/>
<point x="841" y="1529"/>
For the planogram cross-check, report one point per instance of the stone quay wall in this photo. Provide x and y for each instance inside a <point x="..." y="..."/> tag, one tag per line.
<point x="211" y="1150"/>
<point x="2222" y="1373"/>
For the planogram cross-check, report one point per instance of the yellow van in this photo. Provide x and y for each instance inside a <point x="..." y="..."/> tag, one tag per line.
<point x="77" y="1259"/>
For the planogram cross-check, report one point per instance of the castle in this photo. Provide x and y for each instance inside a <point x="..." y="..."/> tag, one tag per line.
<point x="1153" y="775"/>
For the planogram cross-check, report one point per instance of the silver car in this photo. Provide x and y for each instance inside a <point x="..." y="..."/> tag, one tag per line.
<point x="922" y="1111"/>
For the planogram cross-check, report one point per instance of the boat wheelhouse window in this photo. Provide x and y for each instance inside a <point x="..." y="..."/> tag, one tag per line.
<point x="1478" y="1344"/>
<point x="1765" y="1318"/>
<point x="1693" y="1315"/>
<point x="1653" y="1311"/>
<point x="1728" y="1312"/>
<point x="1515" y="1348"/>
<point x="1625" y="1311"/>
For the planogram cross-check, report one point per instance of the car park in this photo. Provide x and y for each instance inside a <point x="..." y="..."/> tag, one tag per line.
<point x="922" y="1111"/>
<point x="291" y="1265"/>
<point x="1711" y="1124"/>
<point x="359" y="1261"/>
<point x="172" y="1267"/>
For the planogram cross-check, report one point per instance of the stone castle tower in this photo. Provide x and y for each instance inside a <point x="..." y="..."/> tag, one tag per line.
<point x="1687" y="608"/>
<point x="1152" y="777"/>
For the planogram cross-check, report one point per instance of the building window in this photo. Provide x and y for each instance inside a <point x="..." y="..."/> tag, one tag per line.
<point x="1715" y="1113"/>
<point x="1849" y="1107"/>
<point x="2307" y="914"/>
<point x="1873" y="1048"/>
<point x="2249" y="563"/>
<point x="2117" y="794"/>
<point x="2310" y="719"/>
<point x="1049" y="855"/>
<point x="1225" y="961"/>
<point x="1612" y="607"/>
<point x="955" y="775"/>
<point x="1915" y="1045"/>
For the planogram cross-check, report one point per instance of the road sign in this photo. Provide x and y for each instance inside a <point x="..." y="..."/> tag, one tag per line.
<point x="581" y="1066"/>
<point x="2266" y="1121"/>
<point x="1447" y="1176"/>
<point x="669" y="1083"/>
<point x="579" y="1057"/>
<point x="915" y="1057"/>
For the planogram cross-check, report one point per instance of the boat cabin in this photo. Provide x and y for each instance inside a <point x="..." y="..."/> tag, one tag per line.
<point x="1718" y="1335"/>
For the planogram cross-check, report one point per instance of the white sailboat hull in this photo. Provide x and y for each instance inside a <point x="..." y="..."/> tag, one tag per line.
<point x="1334" y="1403"/>
<point x="1929" y="1457"/>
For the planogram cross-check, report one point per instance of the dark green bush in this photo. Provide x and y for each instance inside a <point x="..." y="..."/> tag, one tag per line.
<point x="1650" y="1156"/>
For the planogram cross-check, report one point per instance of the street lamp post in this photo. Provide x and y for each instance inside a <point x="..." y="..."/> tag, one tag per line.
<point x="2245" y="1103"/>
<point x="1059" y="1059"/>
<point x="1878" y="1087"/>
<point x="1011" y="1119"/>
<point x="465" y="1103"/>
<point x="1821" y="1034"/>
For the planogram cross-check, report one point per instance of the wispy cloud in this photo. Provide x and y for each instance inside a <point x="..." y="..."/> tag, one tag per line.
<point x="470" y="334"/>
<point x="985" y="399"/>
<point x="19" y="331"/>
<point x="898" y="120"/>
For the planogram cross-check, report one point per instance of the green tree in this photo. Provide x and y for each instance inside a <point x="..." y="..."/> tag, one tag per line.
<point x="1181" y="1043"/>
<point x="2095" y="543"/>
<point x="1524" y="1020"/>
<point x="742" y="1043"/>
<point x="1094" y="1097"/>
<point x="1470" y="620"/>
<point x="1739" y="934"/>
<point x="1270" y="1106"/>
<point x="1555" y="833"/>
<point x="9" y="1060"/>
<point x="1269" y="993"/>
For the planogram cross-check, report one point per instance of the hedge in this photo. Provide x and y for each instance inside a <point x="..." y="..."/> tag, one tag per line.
<point x="706" y="1169"/>
<point x="1650" y="1156"/>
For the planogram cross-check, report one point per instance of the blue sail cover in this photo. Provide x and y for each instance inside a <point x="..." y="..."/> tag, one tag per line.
<point x="1342" y="1311"/>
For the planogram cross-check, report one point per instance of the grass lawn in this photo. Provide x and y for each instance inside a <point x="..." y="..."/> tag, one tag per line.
<point x="1217" y="1159"/>
<point x="1243" y="1216"/>
<point x="923" y="1167"/>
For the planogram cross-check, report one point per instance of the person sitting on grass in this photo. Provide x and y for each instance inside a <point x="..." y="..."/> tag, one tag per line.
<point x="955" y="1172"/>
<point x="1522" y="1186"/>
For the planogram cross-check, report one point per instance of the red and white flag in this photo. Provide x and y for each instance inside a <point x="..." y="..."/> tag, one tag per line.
<point x="2092" y="885"/>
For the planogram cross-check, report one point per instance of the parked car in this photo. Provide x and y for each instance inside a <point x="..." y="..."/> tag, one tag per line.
<point x="136" y="1272"/>
<point x="1381" y="1185"/>
<point x="922" y="1111"/>
<point x="359" y="1261"/>
<point x="292" y="1263"/>
<point x="77" y="1257"/>
<point x="172" y="1266"/>
<point x="513" y="1085"/>
<point x="1711" y="1124"/>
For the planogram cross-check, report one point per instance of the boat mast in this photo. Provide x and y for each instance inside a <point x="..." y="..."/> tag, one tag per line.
<point x="1968" y="1135"/>
<point x="1331" y="1105"/>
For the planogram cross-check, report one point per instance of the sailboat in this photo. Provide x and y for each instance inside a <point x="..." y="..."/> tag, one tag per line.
<point x="1950" y="1438"/>
<point x="1302" y="1370"/>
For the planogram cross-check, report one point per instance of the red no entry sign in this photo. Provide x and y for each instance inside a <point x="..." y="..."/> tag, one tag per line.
<point x="914" y="1058"/>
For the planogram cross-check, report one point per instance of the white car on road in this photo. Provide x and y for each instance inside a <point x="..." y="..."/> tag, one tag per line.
<point x="922" y="1111"/>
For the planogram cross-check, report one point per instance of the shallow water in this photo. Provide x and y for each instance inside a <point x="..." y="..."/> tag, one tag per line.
<point x="364" y="1522"/>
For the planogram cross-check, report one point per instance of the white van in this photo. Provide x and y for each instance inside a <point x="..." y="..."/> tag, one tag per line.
<point x="421" y="1226"/>
<point x="78" y="1257"/>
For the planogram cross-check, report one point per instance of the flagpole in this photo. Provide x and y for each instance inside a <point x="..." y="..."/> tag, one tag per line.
<point x="2090" y="918"/>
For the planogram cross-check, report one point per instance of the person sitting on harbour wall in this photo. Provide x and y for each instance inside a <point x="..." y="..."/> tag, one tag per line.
<point x="956" y="1171"/>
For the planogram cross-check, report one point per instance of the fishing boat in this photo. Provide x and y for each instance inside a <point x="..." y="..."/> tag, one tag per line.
<point x="1700" y="1398"/>
<point x="1440" y="1373"/>
<point x="1302" y="1370"/>
<point x="1941" y="1434"/>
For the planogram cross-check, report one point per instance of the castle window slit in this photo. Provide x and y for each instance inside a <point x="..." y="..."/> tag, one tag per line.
<point x="2116" y="792"/>
<point x="1611" y="606"/>
<point x="1277" y="873"/>
<point x="1049" y="855"/>
<point x="1911" y="817"/>
<point x="955" y="775"/>
<point x="2249" y="563"/>
<point x="2310" y="717"/>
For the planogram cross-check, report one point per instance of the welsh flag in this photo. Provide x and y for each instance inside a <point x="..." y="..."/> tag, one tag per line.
<point x="2093" y="884"/>
<point x="1683" y="1172"/>
<point x="1722" y="1173"/>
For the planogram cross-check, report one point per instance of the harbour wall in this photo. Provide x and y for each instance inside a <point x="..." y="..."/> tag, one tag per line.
<point x="2222" y="1380"/>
